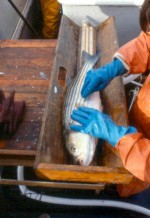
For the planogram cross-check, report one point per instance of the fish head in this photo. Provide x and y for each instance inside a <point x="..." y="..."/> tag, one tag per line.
<point x="81" y="147"/>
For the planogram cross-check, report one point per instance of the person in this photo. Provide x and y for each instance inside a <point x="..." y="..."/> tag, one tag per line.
<point x="132" y="142"/>
<point x="51" y="18"/>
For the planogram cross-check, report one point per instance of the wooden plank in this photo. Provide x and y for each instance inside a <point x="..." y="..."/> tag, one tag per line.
<point x="113" y="96"/>
<point x="89" y="174"/>
<point x="25" y="139"/>
<point x="33" y="114"/>
<point x="28" y="43"/>
<point x="27" y="66"/>
<point x="32" y="99"/>
<point x="17" y="160"/>
<point x="9" y="53"/>
<point x="21" y="62"/>
<point x="52" y="161"/>
<point x="26" y="86"/>
<point x="17" y="146"/>
<point x="51" y="142"/>
<point x="20" y="152"/>
<point x="26" y="63"/>
<point x="30" y="73"/>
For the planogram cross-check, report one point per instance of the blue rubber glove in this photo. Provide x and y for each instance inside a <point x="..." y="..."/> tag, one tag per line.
<point x="99" y="125"/>
<point x="98" y="79"/>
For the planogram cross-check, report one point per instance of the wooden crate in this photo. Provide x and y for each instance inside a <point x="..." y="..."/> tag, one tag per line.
<point x="52" y="160"/>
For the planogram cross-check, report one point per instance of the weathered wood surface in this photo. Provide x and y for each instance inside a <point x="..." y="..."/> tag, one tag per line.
<point x="113" y="96"/>
<point x="51" y="148"/>
<point x="52" y="161"/>
<point x="91" y="174"/>
<point x="21" y="61"/>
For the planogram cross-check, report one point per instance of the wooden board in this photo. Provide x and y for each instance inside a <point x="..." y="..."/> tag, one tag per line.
<point x="51" y="148"/>
<point x="113" y="96"/>
<point x="52" y="160"/>
<point x="21" y="61"/>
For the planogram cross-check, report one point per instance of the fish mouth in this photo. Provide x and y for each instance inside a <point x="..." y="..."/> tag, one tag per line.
<point x="81" y="149"/>
<point x="77" y="156"/>
<point x="83" y="162"/>
<point x="87" y="160"/>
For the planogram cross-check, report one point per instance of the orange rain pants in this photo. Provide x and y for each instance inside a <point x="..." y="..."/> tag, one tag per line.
<point x="134" y="148"/>
<point x="51" y="18"/>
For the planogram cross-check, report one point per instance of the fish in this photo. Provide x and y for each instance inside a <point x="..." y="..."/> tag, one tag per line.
<point x="79" y="145"/>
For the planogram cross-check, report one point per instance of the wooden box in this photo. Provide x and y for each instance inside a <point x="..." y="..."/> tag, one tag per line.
<point x="52" y="159"/>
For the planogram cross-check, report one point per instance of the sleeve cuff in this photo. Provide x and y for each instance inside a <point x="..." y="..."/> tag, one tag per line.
<point x="121" y="58"/>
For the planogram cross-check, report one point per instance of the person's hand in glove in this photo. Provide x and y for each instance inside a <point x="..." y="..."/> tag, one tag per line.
<point x="98" y="79"/>
<point x="99" y="125"/>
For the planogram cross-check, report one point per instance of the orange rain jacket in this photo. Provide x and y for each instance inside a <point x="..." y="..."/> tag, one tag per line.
<point x="51" y="18"/>
<point x="134" y="148"/>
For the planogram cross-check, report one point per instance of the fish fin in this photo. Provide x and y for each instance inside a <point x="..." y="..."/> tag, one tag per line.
<point x="86" y="57"/>
<point x="90" y="21"/>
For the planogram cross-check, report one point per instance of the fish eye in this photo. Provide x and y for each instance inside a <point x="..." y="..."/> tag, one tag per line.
<point x="72" y="148"/>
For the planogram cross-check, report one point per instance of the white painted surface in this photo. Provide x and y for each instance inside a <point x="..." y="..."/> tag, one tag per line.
<point x="9" y="18"/>
<point x="102" y="2"/>
<point x="127" y="17"/>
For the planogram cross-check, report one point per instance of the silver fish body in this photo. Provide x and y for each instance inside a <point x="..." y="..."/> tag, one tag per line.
<point x="80" y="146"/>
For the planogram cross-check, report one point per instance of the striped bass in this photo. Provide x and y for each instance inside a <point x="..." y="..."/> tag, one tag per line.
<point x="80" y="146"/>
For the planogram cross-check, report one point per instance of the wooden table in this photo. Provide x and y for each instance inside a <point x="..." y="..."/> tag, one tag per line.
<point x="25" y="66"/>
<point x="52" y="161"/>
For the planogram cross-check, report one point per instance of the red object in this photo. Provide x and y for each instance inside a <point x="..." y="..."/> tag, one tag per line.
<point x="10" y="113"/>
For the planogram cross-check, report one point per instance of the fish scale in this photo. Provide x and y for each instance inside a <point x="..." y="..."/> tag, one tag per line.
<point x="73" y="96"/>
<point x="81" y="146"/>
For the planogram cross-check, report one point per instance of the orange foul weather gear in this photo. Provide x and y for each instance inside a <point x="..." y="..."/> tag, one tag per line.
<point x="51" y="18"/>
<point x="134" y="148"/>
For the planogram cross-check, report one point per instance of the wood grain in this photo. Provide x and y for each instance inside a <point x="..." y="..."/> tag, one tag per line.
<point x="51" y="147"/>
<point x="28" y="43"/>
<point x="91" y="174"/>
<point x="52" y="161"/>
<point x="113" y="96"/>
<point x="22" y="65"/>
